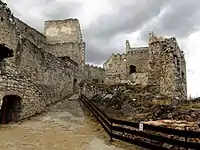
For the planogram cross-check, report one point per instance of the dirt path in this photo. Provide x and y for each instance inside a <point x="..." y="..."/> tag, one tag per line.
<point x="64" y="127"/>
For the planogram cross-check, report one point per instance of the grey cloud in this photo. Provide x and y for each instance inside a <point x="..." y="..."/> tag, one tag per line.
<point x="127" y="16"/>
<point x="179" y="20"/>
<point x="96" y="56"/>
<point x="58" y="11"/>
<point x="126" y="19"/>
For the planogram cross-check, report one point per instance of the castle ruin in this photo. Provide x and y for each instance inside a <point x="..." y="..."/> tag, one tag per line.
<point x="161" y="64"/>
<point x="38" y="69"/>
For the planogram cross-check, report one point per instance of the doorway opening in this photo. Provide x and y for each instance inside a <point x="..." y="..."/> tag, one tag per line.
<point x="10" y="109"/>
<point x="5" y="52"/>
<point x="132" y="69"/>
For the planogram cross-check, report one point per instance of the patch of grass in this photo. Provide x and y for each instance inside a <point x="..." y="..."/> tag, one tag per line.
<point x="190" y="106"/>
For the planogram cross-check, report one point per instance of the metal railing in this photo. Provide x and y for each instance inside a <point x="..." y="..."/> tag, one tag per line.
<point x="151" y="137"/>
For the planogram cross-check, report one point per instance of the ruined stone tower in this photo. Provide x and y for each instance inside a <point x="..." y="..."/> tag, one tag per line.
<point x="66" y="38"/>
<point x="167" y="68"/>
<point x="63" y="31"/>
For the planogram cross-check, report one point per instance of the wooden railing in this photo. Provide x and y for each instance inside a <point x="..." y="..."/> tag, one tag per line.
<point x="148" y="136"/>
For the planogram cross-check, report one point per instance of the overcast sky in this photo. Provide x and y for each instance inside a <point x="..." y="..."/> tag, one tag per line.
<point x="106" y="24"/>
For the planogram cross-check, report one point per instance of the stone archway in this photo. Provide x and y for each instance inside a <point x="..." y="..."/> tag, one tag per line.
<point x="10" y="109"/>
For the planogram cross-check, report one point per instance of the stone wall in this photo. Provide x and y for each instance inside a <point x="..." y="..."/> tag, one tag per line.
<point x="94" y="73"/>
<point x="49" y="70"/>
<point x="64" y="38"/>
<point x="137" y="57"/>
<point x="38" y="77"/>
<point x="42" y="78"/>
<point x="118" y="66"/>
<point x="112" y="79"/>
<point x="73" y="50"/>
<point x="139" y="78"/>
<point x="115" y="66"/>
<point x="167" y="66"/>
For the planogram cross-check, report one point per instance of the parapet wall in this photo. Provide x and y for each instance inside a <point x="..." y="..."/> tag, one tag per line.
<point x="118" y="58"/>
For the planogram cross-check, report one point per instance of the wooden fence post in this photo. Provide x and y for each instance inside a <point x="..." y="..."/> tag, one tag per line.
<point x="186" y="138"/>
<point x="111" y="132"/>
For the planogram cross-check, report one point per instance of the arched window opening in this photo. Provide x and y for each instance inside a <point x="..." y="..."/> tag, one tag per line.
<point x="74" y="84"/>
<point x="132" y="69"/>
<point x="10" y="109"/>
<point x="5" y="52"/>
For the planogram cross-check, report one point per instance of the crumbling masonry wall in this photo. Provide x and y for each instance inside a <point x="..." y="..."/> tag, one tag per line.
<point x="64" y="38"/>
<point x="167" y="68"/>
<point x="35" y="75"/>
<point x="118" y="66"/>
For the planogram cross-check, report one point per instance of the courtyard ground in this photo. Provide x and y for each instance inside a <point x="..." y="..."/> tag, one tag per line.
<point x="63" y="127"/>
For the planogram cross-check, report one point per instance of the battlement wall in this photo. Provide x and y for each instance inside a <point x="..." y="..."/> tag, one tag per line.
<point x="138" y="51"/>
<point x="94" y="67"/>
<point x="94" y="73"/>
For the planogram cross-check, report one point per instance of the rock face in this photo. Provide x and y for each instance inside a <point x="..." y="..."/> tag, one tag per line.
<point x="161" y="64"/>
